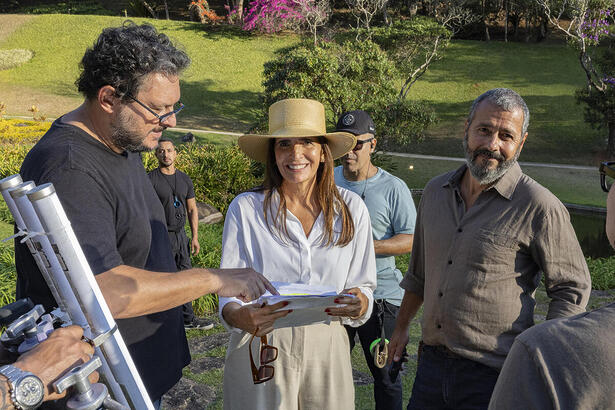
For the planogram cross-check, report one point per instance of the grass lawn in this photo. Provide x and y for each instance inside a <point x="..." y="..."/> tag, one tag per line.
<point x="221" y="89"/>
<point x="569" y="185"/>
<point x="545" y="74"/>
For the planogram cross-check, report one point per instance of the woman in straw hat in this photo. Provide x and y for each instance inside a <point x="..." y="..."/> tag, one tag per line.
<point x="298" y="227"/>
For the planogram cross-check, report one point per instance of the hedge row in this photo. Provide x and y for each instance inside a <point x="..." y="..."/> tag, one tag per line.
<point x="219" y="173"/>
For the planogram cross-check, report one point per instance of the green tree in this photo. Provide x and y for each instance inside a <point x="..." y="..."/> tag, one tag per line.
<point x="342" y="77"/>
<point x="413" y="45"/>
<point x="347" y="76"/>
<point x="589" y="26"/>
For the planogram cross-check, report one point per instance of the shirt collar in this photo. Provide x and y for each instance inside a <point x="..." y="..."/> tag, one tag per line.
<point x="505" y="186"/>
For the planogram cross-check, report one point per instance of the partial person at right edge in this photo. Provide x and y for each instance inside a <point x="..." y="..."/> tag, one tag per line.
<point x="392" y="215"/>
<point x="564" y="364"/>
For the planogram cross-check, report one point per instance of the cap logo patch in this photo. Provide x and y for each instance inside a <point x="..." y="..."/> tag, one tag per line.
<point x="348" y="119"/>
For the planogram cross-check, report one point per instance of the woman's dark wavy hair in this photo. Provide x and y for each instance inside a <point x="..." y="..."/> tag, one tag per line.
<point x="123" y="56"/>
<point x="327" y="195"/>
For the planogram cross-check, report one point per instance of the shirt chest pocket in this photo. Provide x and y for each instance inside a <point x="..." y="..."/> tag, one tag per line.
<point x="493" y="252"/>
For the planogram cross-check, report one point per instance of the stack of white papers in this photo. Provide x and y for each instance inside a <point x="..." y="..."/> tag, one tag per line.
<point x="308" y="303"/>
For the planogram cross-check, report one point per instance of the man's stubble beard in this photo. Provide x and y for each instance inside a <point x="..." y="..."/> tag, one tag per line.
<point x="124" y="138"/>
<point x="482" y="173"/>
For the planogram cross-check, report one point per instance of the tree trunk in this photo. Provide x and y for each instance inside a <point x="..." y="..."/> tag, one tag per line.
<point x="149" y="8"/>
<point x="240" y="10"/>
<point x="610" y="148"/>
<point x="506" y="24"/>
<point x="487" y="36"/>
<point x="166" y="10"/>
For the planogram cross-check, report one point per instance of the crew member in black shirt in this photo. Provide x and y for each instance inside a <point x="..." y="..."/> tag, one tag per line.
<point x="176" y="193"/>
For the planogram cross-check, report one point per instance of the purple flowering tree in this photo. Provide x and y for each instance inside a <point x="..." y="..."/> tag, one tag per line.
<point x="589" y="26"/>
<point x="272" y="16"/>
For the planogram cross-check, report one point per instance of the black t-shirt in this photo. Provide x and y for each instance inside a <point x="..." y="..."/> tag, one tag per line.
<point x="168" y="187"/>
<point x="118" y="220"/>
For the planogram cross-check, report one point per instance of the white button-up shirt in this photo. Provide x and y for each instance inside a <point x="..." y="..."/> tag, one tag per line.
<point x="247" y="242"/>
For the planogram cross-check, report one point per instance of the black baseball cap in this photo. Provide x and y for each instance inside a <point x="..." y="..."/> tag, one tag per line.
<point x="356" y="122"/>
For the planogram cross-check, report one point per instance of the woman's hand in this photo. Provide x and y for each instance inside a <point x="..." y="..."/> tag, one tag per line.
<point x="254" y="317"/>
<point x="355" y="307"/>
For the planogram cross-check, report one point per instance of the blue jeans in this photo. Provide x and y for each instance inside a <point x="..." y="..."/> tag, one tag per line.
<point x="387" y="395"/>
<point x="448" y="381"/>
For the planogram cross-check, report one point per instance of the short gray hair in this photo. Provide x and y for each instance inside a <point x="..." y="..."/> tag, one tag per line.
<point x="507" y="100"/>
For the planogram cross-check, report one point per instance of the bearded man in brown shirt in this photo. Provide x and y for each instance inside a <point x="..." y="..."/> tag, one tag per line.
<point x="484" y="236"/>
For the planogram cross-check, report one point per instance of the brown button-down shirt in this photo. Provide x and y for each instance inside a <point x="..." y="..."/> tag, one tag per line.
<point x="478" y="270"/>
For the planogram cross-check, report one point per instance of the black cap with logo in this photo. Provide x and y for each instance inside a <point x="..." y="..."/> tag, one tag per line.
<point x="356" y="122"/>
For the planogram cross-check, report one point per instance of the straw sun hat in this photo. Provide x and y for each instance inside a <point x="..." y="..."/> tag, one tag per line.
<point x="296" y="118"/>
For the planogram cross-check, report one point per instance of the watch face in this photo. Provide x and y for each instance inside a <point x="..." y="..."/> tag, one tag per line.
<point x="29" y="391"/>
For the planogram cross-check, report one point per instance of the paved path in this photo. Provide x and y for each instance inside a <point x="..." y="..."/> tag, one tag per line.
<point x="525" y="164"/>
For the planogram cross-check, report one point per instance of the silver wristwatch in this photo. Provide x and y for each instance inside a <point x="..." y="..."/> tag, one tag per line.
<point x="27" y="390"/>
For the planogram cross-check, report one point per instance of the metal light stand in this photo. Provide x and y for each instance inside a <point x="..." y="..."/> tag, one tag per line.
<point x="42" y="221"/>
<point x="53" y="272"/>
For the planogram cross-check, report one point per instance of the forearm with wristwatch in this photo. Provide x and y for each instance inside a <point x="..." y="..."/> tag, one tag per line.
<point x="20" y="389"/>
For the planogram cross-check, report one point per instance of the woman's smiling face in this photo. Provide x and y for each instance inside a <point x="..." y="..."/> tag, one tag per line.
<point x="298" y="159"/>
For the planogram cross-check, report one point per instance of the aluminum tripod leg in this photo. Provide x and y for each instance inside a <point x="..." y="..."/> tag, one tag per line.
<point x="51" y="269"/>
<point x="70" y="255"/>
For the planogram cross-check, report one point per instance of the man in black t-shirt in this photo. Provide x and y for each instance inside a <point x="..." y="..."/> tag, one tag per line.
<point x="176" y="193"/>
<point x="130" y="80"/>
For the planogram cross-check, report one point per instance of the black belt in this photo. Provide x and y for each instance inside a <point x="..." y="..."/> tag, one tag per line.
<point x="443" y="350"/>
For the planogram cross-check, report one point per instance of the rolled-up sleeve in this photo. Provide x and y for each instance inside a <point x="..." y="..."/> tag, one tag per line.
<point x="233" y="255"/>
<point x="559" y="255"/>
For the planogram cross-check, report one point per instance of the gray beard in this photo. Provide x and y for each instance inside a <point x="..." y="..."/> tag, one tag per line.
<point x="482" y="173"/>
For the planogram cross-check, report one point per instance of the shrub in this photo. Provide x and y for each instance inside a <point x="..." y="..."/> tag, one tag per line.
<point x="12" y="156"/>
<point x="17" y="131"/>
<point x="403" y="121"/>
<point x="210" y="238"/>
<point x="14" y="58"/>
<point x="219" y="173"/>
<point x="8" y="277"/>
<point x="602" y="271"/>
<point x="355" y="74"/>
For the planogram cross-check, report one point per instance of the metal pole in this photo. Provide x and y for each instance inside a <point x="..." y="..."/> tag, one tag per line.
<point x="70" y="255"/>
<point x="52" y="271"/>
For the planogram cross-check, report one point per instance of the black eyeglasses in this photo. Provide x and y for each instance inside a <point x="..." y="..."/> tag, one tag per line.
<point x="161" y="118"/>
<point x="607" y="169"/>
<point x="359" y="144"/>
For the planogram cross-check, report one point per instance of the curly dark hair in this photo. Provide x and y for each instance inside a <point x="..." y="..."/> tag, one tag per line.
<point x="123" y="56"/>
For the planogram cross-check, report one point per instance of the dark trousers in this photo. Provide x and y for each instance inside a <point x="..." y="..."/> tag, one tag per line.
<point x="180" y="246"/>
<point x="386" y="394"/>
<point x="445" y="380"/>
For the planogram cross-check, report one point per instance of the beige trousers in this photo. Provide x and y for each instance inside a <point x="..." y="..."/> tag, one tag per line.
<point x="312" y="371"/>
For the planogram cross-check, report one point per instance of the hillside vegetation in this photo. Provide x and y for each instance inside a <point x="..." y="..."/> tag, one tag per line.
<point x="221" y="88"/>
